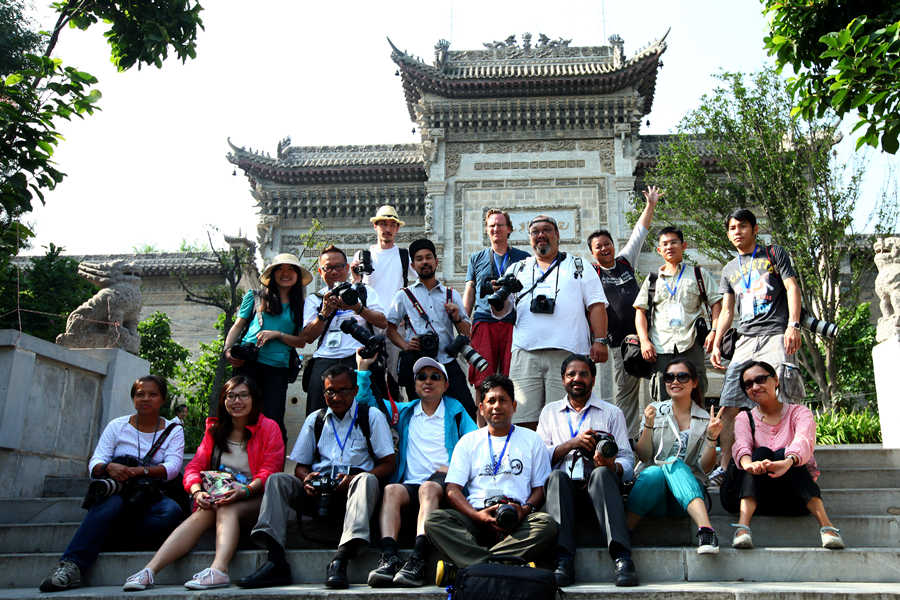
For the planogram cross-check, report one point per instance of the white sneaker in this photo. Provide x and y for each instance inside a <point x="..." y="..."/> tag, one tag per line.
<point x="208" y="579"/>
<point x="142" y="580"/>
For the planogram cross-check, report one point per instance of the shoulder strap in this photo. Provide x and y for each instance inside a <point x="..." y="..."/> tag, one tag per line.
<point x="418" y="307"/>
<point x="651" y="293"/>
<point x="458" y="419"/>
<point x="449" y="294"/>
<point x="624" y="261"/>
<point x="560" y="257"/>
<point x="318" y="426"/>
<point x="362" y="420"/>
<point x="579" y="267"/>
<point x="404" y="265"/>
<point x="752" y="424"/>
<point x="159" y="442"/>
<point x="215" y="458"/>
<point x="327" y="323"/>
<point x="698" y="275"/>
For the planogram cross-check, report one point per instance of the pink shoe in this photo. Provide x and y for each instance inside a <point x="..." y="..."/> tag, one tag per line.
<point x="208" y="579"/>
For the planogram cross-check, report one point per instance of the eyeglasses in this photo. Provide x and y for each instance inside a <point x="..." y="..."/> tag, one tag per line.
<point x="537" y="232"/>
<point x="758" y="380"/>
<point x="332" y="392"/>
<point x="332" y="268"/>
<point x="426" y="376"/>
<point x="682" y="377"/>
<point x="241" y="395"/>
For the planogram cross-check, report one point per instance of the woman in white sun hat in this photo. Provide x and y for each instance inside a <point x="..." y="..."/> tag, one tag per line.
<point x="261" y="342"/>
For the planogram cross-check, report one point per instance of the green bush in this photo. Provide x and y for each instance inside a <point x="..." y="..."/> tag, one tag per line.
<point x="843" y="427"/>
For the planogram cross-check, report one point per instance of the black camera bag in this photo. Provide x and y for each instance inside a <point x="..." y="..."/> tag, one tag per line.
<point x="503" y="582"/>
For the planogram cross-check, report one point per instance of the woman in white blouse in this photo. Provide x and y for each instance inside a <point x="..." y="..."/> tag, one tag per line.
<point x="147" y="513"/>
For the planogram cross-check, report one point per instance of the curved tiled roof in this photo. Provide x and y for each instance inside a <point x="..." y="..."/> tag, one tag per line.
<point x="322" y="164"/>
<point x="153" y="264"/>
<point x="531" y="72"/>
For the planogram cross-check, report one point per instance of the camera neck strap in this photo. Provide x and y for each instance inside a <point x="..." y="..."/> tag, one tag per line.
<point x="327" y="322"/>
<point x="157" y="444"/>
<point x="559" y="258"/>
<point x="415" y="302"/>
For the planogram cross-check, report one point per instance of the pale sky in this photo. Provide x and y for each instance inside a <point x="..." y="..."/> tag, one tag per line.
<point x="150" y="167"/>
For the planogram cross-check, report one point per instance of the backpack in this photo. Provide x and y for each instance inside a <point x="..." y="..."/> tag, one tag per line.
<point x="362" y="421"/>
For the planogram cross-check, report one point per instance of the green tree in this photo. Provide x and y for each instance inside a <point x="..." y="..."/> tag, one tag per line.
<point x="846" y="57"/>
<point x="42" y="91"/>
<point x="17" y="37"/>
<point x="158" y="347"/>
<point x="41" y="295"/>
<point x="781" y="166"/>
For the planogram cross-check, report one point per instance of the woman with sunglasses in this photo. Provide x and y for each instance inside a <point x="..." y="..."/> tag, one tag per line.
<point x="677" y="447"/>
<point x="777" y="458"/>
<point x="243" y="442"/>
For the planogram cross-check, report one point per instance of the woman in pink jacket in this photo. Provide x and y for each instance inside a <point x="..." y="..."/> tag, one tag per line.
<point x="243" y="442"/>
<point x="777" y="457"/>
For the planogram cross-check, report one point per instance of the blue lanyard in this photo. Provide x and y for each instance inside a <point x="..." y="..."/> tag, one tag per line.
<point x="741" y="266"/>
<point x="495" y="464"/>
<point x="340" y="444"/>
<point x="501" y="265"/>
<point x="584" y="415"/>
<point x="677" y="281"/>
<point x="555" y="260"/>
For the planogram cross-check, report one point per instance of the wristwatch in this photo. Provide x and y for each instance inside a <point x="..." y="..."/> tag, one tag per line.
<point x="601" y="340"/>
<point x="146" y="471"/>
<point x="794" y="324"/>
<point x="529" y="506"/>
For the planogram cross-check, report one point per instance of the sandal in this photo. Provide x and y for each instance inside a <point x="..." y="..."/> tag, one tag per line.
<point x="743" y="541"/>
<point x="832" y="542"/>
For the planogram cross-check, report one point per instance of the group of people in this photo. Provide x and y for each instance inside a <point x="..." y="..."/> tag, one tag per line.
<point x="505" y="476"/>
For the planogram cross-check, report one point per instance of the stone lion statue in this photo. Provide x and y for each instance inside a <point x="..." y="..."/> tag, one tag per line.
<point x="887" y="287"/>
<point x="110" y="317"/>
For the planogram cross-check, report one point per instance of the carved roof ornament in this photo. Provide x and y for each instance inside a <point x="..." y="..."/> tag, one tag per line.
<point x="441" y="52"/>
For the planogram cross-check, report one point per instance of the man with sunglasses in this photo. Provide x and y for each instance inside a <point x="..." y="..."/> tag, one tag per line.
<point x="429" y="428"/>
<point x="353" y="446"/>
<point x="323" y="313"/>
<point x="677" y="306"/>
<point x="433" y="316"/>
<point x="576" y="430"/>
<point x="560" y="306"/>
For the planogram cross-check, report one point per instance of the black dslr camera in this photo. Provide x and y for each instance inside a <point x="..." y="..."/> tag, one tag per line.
<point x="606" y="446"/>
<point x="372" y="344"/>
<point x="508" y="284"/>
<point x="542" y="305"/>
<point x="507" y="516"/>
<point x="365" y="267"/>
<point x="461" y="344"/>
<point x="245" y="352"/>
<point x="429" y="344"/>
<point x="325" y="484"/>
<point x="349" y="293"/>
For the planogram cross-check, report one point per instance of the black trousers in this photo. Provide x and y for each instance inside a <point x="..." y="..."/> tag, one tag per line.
<point x="315" y="395"/>
<point x="273" y="384"/>
<point x="785" y="496"/>
<point x="459" y="387"/>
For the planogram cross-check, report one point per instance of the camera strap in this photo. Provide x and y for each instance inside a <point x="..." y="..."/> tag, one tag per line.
<point x="698" y="275"/>
<point x="420" y="310"/>
<point x="560" y="257"/>
<point x="158" y="443"/>
<point x="327" y="321"/>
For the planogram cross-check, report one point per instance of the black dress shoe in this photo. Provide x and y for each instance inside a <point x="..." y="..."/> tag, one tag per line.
<point x="336" y="574"/>
<point x="268" y="575"/>
<point x="565" y="570"/>
<point x="625" y="573"/>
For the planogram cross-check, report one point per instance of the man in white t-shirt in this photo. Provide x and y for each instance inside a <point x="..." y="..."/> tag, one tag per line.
<point x="323" y="314"/>
<point x="504" y="468"/>
<point x="561" y="303"/>
<point x="587" y="468"/>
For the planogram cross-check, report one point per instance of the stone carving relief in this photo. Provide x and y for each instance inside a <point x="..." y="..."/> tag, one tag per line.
<point x="454" y="151"/>
<point x="429" y="215"/>
<point x="508" y="48"/>
<point x="265" y="231"/>
<point x="109" y="318"/>
<point x="887" y="288"/>
<point x="606" y="148"/>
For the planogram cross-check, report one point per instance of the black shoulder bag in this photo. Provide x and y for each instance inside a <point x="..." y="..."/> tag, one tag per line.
<point x="701" y="329"/>
<point x="633" y="361"/>
<point x="730" y="490"/>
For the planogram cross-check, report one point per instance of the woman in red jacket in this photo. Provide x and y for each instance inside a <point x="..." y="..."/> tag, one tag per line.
<point x="246" y="444"/>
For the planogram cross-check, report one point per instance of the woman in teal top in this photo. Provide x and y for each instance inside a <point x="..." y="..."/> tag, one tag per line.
<point x="274" y="315"/>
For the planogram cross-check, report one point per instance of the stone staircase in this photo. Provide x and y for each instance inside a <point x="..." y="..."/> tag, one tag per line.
<point x="860" y="487"/>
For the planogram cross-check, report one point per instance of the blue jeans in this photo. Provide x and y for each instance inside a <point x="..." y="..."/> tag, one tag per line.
<point x="664" y="490"/>
<point x="105" y="517"/>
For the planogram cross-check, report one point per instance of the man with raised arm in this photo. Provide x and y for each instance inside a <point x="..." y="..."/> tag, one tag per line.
<point x="504" y="468"/>
<point x="591" y="458"/>
<point x="616" y="272"/>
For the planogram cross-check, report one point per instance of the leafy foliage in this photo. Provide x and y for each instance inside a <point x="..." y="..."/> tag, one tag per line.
<point x="847" y="58"/>
<point x="754" y="152"/>
<point x="838" y="426"/>
<point x="16" y="37"/>
<point x="854" y="344"/>
<point x="48" y="290"/>
<point x="41" y="90"/>
<point x="158" y="347"/>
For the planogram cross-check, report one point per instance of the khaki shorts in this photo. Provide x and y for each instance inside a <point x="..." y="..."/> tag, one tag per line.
<point x="537" y="380"/>
<point x="765" y="348"/>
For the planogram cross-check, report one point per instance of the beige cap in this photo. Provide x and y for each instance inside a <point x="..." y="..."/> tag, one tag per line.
<point x="285" y="259"/>
<point x="387" y="213"/>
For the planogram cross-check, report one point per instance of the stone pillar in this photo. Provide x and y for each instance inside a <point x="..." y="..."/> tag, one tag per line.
<point x="886" y="354"/>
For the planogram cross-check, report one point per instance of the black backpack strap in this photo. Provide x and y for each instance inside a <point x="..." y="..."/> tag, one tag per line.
<point x="362" y="420"/>
<point x="698" y="275"/>
<point x="404" y="265"/>
<point x="651" y="294"/>
<point x="458" y="419"/>
<point x="318" y="426"/>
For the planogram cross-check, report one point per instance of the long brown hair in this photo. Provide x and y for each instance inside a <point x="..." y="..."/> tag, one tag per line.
<point x="224" y="425"/>
<point x="695" y="393"/>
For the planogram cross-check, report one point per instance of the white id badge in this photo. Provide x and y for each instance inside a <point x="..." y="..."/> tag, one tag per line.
<point x="747" y="307"/>
<point x="333" y="340"/>
<point x="675" y="314"/>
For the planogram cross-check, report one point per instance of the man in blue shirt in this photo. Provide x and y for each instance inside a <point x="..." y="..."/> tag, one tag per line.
<point x="491" y="337"/>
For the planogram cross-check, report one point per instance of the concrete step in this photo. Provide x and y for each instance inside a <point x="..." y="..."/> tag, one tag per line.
<point x="859" y="477"/>
<point x="857" y="455"/>
<point x="682" y="590"/>
<point x="593" y="565"/>
<point x="857" y="530"/>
